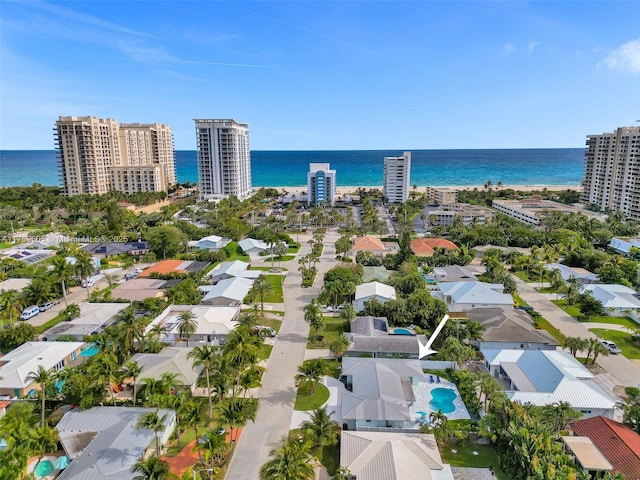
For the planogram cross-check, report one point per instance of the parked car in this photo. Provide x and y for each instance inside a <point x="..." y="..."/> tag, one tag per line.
<point x="264" y="331"/>
<point x="612" y="347"/>
<point x="46" y="306"/>
<point x="526" y="308"/>
<point x="130" y="276"/>
<point x="87" y="283"/>
<point x="29" y="312"/>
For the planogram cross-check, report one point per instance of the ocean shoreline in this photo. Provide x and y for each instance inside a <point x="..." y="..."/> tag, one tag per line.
<point x="346" y="190"/>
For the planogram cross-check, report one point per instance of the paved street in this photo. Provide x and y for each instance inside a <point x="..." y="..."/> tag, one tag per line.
<point x="278" y="392"/>
<point x="624" y="371"/>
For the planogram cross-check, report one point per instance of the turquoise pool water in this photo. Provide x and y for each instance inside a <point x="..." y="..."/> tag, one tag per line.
<point x="90" y="351"/>
<point x="442" y="399"/>
<point x="44" y="468"/>
<point x="402" y="331"/>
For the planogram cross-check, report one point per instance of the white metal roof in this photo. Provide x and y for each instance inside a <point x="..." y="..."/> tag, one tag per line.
<point x="475" y="293"/>
<point x="613" y="295"/>
<point x="16" y="365"/>
<point x="372" y="289"/>
<point x="251" y="243"/>
<point x="232" y="288"/>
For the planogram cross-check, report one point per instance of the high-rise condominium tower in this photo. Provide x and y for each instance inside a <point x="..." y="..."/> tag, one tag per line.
<point x="397" y="171"/>
<point x="224" y="159"/>
<point x="96" y="155"/>
<point x="612" y="171"/>
<point x="321" y="184"/>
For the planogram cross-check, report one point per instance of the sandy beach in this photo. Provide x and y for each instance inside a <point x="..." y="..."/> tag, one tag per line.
<point x="346" y="190"/>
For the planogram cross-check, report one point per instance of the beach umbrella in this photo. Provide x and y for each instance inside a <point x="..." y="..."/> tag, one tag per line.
<point x="62" y="462"/>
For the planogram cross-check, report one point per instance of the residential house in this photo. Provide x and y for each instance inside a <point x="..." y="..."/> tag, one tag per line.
<point x="452" y="273"/>
<point x="138" y="289"/>
<point x="371" y="336"/>
<point x="618" y="443"/>
<point x="377" y="274"/>
<point x="426" y="247"/>
<point x="108" y="249"/>
<point x="392" y="456"/>
<point x="547" y="377"/>
<point x="230" y="291"/>
<point x="509" y="328"/>
<point x="213" y="324"/>
<point x="104" y="443"/>
<point x="213" y="242"/>
<point x="617" y="300"/>
<point x="233" y="269"/>
<point x="174" y="266"/>
<point x="368" y="244"/>
<point x="15" y="284"/>
<point x="94" y="317"/>
<point x="463" y="296"/>
<point x="372" y="290"/>
<point x="172" y="360"/>
<point x="253" y="246"/>
<point x="587" y="455"/>
<point x="30" y="257"/>
<point x="380" y="395"/>
<point x="624" y="245"/>
<point x="17" y="365"/>
<point x="567" y="273"/>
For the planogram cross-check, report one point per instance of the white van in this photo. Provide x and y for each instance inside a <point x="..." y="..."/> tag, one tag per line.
<point x="30" y="312"/>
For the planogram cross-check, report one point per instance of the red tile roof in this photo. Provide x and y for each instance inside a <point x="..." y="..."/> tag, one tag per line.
<point x="618" y="443"/>
<point x="370" y="244"/>
<point x="439" y="243"/>
<point x="421" y="249"/>
<point x="164" y="266"/>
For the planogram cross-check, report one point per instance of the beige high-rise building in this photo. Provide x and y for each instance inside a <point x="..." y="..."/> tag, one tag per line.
<point x="612" y="171"/>
<point x="397" y="171"/>
<point x="224" y="159"/>
<point x="96" y="155"/>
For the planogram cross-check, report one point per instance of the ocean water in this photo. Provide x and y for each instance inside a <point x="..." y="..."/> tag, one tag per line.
<point x="557" y="166"/>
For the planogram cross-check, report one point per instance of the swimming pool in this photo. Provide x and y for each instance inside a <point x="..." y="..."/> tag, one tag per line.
<point x="401" y="331"/>
<point x="90" y="351"/>
<point x="44" y="468"/>
<point x="442" y="399"/>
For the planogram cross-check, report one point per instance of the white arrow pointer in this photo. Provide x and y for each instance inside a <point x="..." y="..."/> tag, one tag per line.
<point x="425" y="350"/>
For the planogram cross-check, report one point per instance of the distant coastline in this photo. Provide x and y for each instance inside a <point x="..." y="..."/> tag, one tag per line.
<point x="358" y="168"/>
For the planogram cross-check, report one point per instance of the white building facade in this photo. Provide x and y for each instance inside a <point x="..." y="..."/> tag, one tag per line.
<point x="321" y="184"/>
<point x="224" y="159"/>
<point x="611" y="166"/>
<point x="397" y="173"/>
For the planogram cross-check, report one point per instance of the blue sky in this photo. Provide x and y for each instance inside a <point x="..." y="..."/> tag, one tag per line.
<point x="326" y="75"/>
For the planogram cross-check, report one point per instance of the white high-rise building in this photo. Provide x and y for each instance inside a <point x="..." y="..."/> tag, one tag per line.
<point x="96" y="155"/>
<point x="321" y="184"/>
<point x="397" y="171"/>
<point x="224" y="159"/>
<point x="612" y="171"/>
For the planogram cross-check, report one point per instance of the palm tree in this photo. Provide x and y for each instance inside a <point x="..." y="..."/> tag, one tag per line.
<point x="84" y="267"/>
<point x="261" y="288"/>
<point x="43" y="378"/>
<point x="572" y="291"/>
<point x="133" y="371"/>
<point x="489" y="386"/>
<point x="104" y="369"/>
<point x="213" y="448"/>
<point x="322" y="430"/>
<point x="291" y="460"/>
<point x="234" y="413"/>
<point x="339" y="346"/>
<point x="599" y="349"/>
<point x="151" y="468"/>
<point x="131" y="328"/>
<point x="152" y="421"/>
<point x="441" y="428"/>
<point x="187" y="324"/>
<point x="313" y="316"/>
<point x="241" y="350"/>
<point x="111" y="279"/>
<point x="204" y="356"/>
<point x="311" y="371"/>
<point x="574" y="344"/>
<point x="168" y="379"/>
<point x="63" y="271"/>
<point x="11" y="304"/>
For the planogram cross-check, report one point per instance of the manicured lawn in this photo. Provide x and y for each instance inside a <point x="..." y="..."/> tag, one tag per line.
<point x="51" y="323"/>
<point x="265" y="351"/>
<point x="524" y="277"/>
<point x="629" y="349"/>
<point x="185" y="439"/>
<point x="555" y="333"/>
<point x="276" y="260"/>
<point x="267" y="269"/>
<point x="518" y="299"/>
<point x="329" y="456"/>
<point x="574" y="311"/>
<point x="276" y="292"/>
<point x="271" y="322"/>
<point x="294" y="248"/>
<point x="333" y="327"/>
<point x="306" y="401"/>
<point x="464" y="457"/>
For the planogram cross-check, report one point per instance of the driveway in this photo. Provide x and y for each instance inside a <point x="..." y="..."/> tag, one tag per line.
<point x="278" y="392"/>
<point x="623" y="370"/>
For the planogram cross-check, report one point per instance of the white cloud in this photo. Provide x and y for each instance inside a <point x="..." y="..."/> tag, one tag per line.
<point x="509" y="48"/>
<point x="532" y="46"/>
<point x="625" y="58"/>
